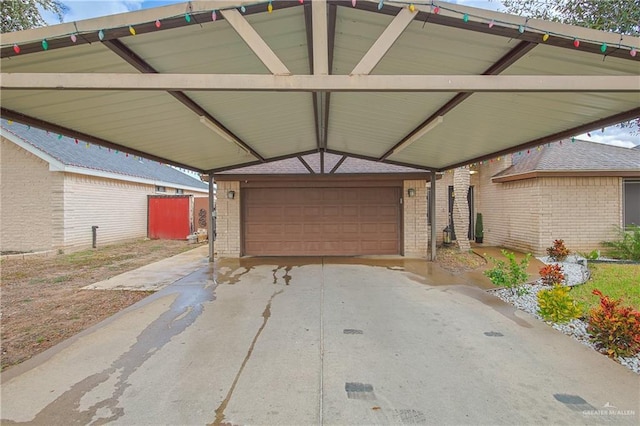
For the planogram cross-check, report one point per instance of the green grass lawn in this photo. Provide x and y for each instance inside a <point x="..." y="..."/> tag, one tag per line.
<point x="615" y="281"/>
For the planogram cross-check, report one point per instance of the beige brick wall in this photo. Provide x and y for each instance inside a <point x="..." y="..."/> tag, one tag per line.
<point x="227" y="242"/>
<point x="25" y="200"/>
<point x="461" y="182"/>
<point x="527" y="215"/>
<point x="583" y="211"/>
<point x="442" y="206"/>
<point x="415" y="219"/>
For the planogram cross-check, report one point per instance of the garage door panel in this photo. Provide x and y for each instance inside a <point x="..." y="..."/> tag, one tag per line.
<point x="321" y="221"/>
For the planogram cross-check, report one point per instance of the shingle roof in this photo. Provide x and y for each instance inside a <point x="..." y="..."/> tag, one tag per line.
<point x="295" y="166"/>
<point x="567" y="156"/>
<point x="90" y="156"/>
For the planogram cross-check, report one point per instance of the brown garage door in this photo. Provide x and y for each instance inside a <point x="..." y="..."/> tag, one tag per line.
<point x="321" y="221"/>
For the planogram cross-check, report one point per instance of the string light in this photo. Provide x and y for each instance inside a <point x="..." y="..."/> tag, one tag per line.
<point x="59" y="136"/>
<point x="576" y="42"/>
<point x="73" y="38"/>
<point x="632" y="52"/>
<point x="16" y="48"/>
<point x="243" y="9"/>
<point x="101" y="35"/>
<point x="132" y="30"/>
<point x="158" y="23"/>
<point x="436" y="10"/>
<point x="521" y="29"/>
<point x="214" y="16"/>
<point x="465" y="17"/>
<point x="353" y="3"/>
<point x="187" y="18"/>
<point x="76" y="141"/>
<point x="412" y="8"/>
<point x="270" y="7"/>
<point x="381" y="4"/>
<point x="45" y="44"/>
<point x="492" y="23"/>
<point x="545" y="37"/>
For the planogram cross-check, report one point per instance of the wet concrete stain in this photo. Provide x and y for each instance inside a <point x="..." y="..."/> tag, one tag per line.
<point x="574" y="402"/>
<point x="491" y="301"/>
<point x="266" y="314"/>
<point x="193" y="292"/>
<point x="357" y="390"/>
<point x="286" y="277"/>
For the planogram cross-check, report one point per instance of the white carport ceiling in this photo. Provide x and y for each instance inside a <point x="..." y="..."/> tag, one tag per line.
<point x="322" y="76"/>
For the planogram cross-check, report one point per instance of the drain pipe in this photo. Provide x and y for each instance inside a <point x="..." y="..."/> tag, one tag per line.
<point x="94" y="235"/>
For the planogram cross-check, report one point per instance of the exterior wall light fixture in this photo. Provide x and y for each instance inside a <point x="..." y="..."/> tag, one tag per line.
<point x="411" y="192"/>
<point x="231" y="195"/>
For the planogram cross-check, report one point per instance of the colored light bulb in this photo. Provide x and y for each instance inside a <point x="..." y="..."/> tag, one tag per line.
<point x="101" y="35"/>
<point x="381" y="4"/>
<point x="492" y="23"/>
<point x="576" y="43"/>
<point x="158" y="23"/>
<point x="16" y="49"/>
<point x="132" y="30"/>
<point x="436" y="10"/>
<point x="187" y="17"/>
<point x="243" y="9"/>
<point x="632" y="52"/>
<point x="214" y="15"/>
<point x="353" y="3"/>
<point x="270" y="8"/>
<point x="545" y="37"/>
<point x="603" y="47"/>
<point x="45" y="44"/>
<point x="465" y="17"/>
<point x="73" y="38"/>
<point x="521" y="29"/>
<point x="59" y="136"/>
<point x="412" y="8"/>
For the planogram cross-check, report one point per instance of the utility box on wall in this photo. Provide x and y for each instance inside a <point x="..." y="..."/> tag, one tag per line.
<point x="170" y="216"/>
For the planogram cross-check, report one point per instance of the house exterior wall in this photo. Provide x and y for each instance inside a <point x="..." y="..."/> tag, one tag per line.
<point x="228" y="222"/>
<point x="527" y="215"/>
<point x="25" y="200"/>
<point x="227" y="242"/>
<point x="442" y="206"/>
<point x="583" y="211"/>
<point x="118" y="208"/>
<point x="415" y="219"/>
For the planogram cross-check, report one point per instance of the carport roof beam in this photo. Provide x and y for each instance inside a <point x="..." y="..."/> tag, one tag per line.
<point x="322" y="83"/>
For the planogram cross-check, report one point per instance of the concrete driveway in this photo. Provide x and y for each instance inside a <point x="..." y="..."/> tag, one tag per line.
<point x="320" y="341"/>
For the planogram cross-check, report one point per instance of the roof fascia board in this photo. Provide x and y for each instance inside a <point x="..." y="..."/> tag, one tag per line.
<point x="565" y="173"/>
<point x="55" y="165"/>
<point x="322" y="83"/>
<point x="296" y="177"/>
<point x="128" y="178"/>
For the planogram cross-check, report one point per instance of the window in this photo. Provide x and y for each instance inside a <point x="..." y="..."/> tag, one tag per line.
<point x="161" y="188"/>
<point x="631" y="202"/>
<point x="179" y="191"/>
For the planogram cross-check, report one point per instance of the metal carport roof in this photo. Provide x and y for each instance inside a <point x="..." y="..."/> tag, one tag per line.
<point x="213" y="85"/>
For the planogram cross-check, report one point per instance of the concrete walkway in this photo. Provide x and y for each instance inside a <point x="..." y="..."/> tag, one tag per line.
<point x="320" y="341"/>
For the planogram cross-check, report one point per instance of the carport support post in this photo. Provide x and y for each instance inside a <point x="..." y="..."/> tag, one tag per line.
<point x="211" y="227"/>
<point x="432" y="214"/>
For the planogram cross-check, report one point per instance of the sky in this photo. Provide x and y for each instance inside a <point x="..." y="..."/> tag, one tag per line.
<point x="85" y="9"/>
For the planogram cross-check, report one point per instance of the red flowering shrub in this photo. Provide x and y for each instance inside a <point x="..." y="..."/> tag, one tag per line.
<point x="613" y="328"/>
<point x="551" y="274"/>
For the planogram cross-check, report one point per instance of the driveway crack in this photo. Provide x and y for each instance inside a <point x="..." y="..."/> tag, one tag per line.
<point x="223" y="405"/>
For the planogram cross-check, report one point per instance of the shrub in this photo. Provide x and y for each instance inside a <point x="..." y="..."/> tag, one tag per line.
<point x="592" y="255"/>
<point x="556" y="305"/>
<point x="552" y="274"/>
<point x="627" y="246"/>
<point x="613" y="328"/>
<point x="558" y="251"/>
<point x="512" y="275"/>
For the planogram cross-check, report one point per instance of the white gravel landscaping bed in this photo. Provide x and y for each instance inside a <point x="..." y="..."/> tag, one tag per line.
<point x="575" y="274"/>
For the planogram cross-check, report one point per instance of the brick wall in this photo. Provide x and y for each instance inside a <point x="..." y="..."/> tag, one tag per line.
<point x="583" y="211"/>
<point x="527" y="215"/>
<point x="227" y="242"/>
<point x="25" y="200"/>
<point x="461" y="183"/>
<point x="415" y="219"/>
